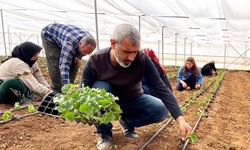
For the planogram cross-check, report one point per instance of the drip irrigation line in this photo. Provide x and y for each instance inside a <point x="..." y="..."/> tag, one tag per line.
<point x="203" y="113"/>
<point x="16" y="109"/>
<point x="154" y="135"/>
<point x="56" y="116"/>
<point x="168" y="121"/>
<point x="18" y="117"/>
<point x="27" y="115"/>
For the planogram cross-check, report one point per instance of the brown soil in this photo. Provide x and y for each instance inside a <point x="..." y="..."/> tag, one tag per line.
<point x="226" y="126"/>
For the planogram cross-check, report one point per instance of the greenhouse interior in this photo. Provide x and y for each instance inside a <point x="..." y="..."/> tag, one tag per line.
<point x="178" y="78"/>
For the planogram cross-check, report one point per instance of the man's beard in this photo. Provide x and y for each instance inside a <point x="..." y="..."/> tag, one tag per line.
<point x="122" y="64"/>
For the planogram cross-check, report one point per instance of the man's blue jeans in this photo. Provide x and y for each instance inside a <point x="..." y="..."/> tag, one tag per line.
<point x="137" y="112"/>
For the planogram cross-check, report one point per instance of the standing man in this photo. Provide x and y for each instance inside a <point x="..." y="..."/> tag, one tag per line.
<point x="123" y="66"/>
<point x="64" y="46"/>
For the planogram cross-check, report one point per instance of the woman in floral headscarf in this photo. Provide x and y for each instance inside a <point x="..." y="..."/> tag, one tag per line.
<point x="20" y="74"/>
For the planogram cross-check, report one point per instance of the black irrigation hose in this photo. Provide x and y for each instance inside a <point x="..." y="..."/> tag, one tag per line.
<point x="162" y="127"/>
<point x="199" y="119"/>
<point x="156" y="133"/>
<point x="56" y="116"/>
<point x="16" y="109"/>
<point x="168" y="121"/>
<point x="18" y="117"/>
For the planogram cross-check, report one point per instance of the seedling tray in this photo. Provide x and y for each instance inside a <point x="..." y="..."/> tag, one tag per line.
<point x="47" y="105"/>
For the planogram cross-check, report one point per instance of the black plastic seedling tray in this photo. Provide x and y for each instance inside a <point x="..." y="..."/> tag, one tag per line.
<point x="47" y="105"/>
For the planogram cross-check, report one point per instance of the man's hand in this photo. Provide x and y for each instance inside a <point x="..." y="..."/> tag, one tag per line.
<point x="184" y="127"/>
<point x="78" y="62"/>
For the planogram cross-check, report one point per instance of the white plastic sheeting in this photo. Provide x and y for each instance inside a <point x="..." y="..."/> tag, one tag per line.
<point x="214" y="20"/>
<point x="21" y="15"/>
<point x="30" y="16"/>
<point x="208" y="26"/>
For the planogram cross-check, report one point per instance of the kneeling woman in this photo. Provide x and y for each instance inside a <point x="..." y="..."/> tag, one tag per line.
<point x="189" y="75"/>
<point x="20" y="74"/>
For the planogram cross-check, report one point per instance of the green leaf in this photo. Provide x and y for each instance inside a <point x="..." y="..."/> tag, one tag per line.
<point x="31" y="108"/>
<point x="192" y="137"/>
<point x="75" y="95"/>
<point x="69" y="116"/>
<point x="68" y="105"/>
<point x="75" y="104"/>
<point x="6" y="116"/>
<point x="17" y="105"/>
<point x="86" y="109"/>
<point x="66" y="88"/>
<point x="183" y="109"/>
<point x="200" y="112"/>
<point x="104" y="103"/>
<point x="110" y="116"/>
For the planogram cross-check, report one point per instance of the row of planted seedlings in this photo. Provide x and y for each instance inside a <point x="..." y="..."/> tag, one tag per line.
<point x="204" y="104"/>
<point x="193" y="98"/>
<point x="195" y="111"/>
<point x="17" y="112"/>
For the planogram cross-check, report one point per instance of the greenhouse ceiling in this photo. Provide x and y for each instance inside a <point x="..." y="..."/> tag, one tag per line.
<point x="200" y="21"/>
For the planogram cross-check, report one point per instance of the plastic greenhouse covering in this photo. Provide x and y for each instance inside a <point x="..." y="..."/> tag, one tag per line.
<point x="208" y="30"/>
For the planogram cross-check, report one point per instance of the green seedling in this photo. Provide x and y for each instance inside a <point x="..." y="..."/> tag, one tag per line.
<point x="5" y="116"/>
<point x="192" y="137"/>
<point x="183" y="109"/>
<point x="200" y="112"/>
<point x="31" y="108"/>
<point x="17" y="105"/>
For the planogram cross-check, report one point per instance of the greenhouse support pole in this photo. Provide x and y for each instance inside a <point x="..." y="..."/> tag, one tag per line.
<point x="96" y="26"/>
<point x="162" y="44"/>
<point x="245" y="51"/>
<point x="225" y="56"/>
<point x="4" y="42"/>
<point x="158" y="42"/>
<point x="9" y="39"/>
<point x="139" y="22"/>
<point x="185" y="48"/>
<point x="176" y="34"/>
